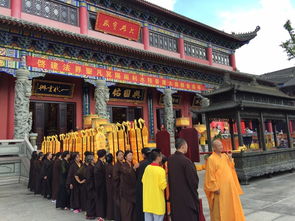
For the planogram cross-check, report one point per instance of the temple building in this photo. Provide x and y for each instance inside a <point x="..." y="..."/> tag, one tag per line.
<point x="62" y="60"/>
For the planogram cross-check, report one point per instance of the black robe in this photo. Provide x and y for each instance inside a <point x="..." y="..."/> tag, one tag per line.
<point x="46" y="171"/>
<point x="100" y="189"/>
<point x="81" y="173"/>
<point x="89" y="174"/>
<point x="183" y="185"/>
<point x="127" y="193"/>
<point x="139" y="204"/>
<point x="116" y="189"/>
<point x="110" y="192"/>
<point x="63" y="198"/>
<point x="55" y="178"/>
<point x="38" y="178"/>
<point x="75" y="192"/>
<point x="32" y="182"/>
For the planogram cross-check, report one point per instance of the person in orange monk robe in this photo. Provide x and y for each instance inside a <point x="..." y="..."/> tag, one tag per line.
<point x="222" y="187"/>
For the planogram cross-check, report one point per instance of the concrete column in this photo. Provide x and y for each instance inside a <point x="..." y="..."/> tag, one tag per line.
<point x="22" y="115"/>
<point x="101" y="96"/>
<point x="83" y="17"/>
<point x="16" y="8"/>
<point x="181" y="46"/>
<point x="146" y="36"/>
<point x="168" y="116"/>
<point x="210" y="55"/>
<point x="33" y="140"/>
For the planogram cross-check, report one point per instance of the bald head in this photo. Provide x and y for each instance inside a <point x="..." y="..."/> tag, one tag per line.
<point x="217" y="146"/>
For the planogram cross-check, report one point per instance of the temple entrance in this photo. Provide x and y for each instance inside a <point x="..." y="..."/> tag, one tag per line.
<point x="51" y="118"/>
<point x="119" y="114"/>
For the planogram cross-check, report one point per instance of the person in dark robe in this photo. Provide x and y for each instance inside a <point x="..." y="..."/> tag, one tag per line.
<point x="90" y="187"/>
<point x="55" y="176"/>
<point x="183" y="184"/>
<point x="63" y="198"/>
<point x="38" y="175"/>
<point x="128" y="189"/>
<point x="116" y="183"/>
<point x="46" y="172"/>
<point x="139" y="173"/>
<point x="31" y="184"/>
<point x="109" y="184"/>
<point x="80" y="176"/>
<point x="100" y="185"/>
<point x="72" y="183"/>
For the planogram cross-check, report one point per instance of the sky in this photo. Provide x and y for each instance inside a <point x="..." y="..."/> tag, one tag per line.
<point x="263" y="54"/>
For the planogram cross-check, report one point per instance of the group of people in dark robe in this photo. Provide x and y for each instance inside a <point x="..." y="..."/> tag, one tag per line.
<point x="112" y="191"/>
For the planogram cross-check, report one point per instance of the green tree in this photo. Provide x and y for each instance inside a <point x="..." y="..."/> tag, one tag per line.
<point x="289" y="45"/>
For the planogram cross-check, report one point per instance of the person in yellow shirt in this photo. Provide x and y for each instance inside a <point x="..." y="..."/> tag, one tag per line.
<point x="154" y="183"/>
<point x="222" y="187"/>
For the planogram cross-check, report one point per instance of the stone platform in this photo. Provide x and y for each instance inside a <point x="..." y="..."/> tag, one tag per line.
<point x="265" y="199"/>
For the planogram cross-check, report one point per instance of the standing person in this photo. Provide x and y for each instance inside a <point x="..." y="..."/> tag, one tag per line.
<point x="72" y="183"/>
<point x="46" y="172"/>
<point x="127" y="189"/>
<point x="222" y="186"/>
<point x="38" y="175"/>
<point x="109" y="185"/>
<point x="80" y="177"/>
<point x="116" y="182"/>
<point x="100" y="185"/>
<point x="183" y="184"/>
<point x="56" y="169"/>
<point x="139" y="173"/>
<point x="89" y="175"/>
<point x="31" y="184"/>
<point x="63" y="199"/>
<point x="154" y="183"/>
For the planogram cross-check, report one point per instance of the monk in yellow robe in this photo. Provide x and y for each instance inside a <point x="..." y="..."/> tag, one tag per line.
<point x="222" y="186"/>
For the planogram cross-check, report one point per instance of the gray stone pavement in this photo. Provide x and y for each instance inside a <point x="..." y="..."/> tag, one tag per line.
<point x="265" y="199"/>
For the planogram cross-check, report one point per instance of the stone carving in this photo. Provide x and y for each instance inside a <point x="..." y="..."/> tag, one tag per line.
<point x="102" y="96"/>
<point x="22" y="116"/>
<point x="168" y="116"/>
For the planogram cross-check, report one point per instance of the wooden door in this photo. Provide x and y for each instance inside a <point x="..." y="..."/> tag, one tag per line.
<point x="38" y="121"/>
<point x="62" y="118"/>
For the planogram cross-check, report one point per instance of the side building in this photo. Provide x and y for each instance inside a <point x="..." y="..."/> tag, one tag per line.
<point x="65" y="59"/>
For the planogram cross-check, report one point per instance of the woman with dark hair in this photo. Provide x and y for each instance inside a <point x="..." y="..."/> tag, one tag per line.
<point x="128" y="189"/>
<point x="89" y="175"/>
<point x="56" y="175"/>
<point x="46" y="173"/>
<point x="109" y="184"/>
<point x="38" y="178"/>
<point x="31" y="184"/>
<point x="63" y="200"/>
<point x="73" y="184"/>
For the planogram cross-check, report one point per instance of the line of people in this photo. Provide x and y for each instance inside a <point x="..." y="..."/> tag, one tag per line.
<point x="120" y="191"/>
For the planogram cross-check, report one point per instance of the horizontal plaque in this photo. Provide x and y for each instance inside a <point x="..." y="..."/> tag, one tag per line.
<point x="117" y="25"/>
<point x="127" y="93"/>
<point x="52" y="88"/>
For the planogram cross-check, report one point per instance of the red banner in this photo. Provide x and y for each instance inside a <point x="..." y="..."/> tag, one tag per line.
<point x="111" y="75"/>
<point x="116" y="25"/>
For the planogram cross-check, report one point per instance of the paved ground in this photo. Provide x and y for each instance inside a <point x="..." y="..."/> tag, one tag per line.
<point x="265" y="199"/>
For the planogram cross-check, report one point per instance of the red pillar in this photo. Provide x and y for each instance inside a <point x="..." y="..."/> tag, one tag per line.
<point x="269" y="127"/>
<point x="250" y="125"/>
<point x="10" y="117"/>
<point x="232" y="58"/>
<point x="83" y="17"/>
<point x="146" y="36"/>
<point x="181" y="46"/>
<point x="16" y="8"/>
<point x="291" y="126"/>
<point x="209" y="55"/>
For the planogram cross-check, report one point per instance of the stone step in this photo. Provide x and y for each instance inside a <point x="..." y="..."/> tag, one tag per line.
<point x="6" y="180"/>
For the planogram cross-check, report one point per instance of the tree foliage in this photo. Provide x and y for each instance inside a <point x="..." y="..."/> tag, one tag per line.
<point x="289" y="45"/>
